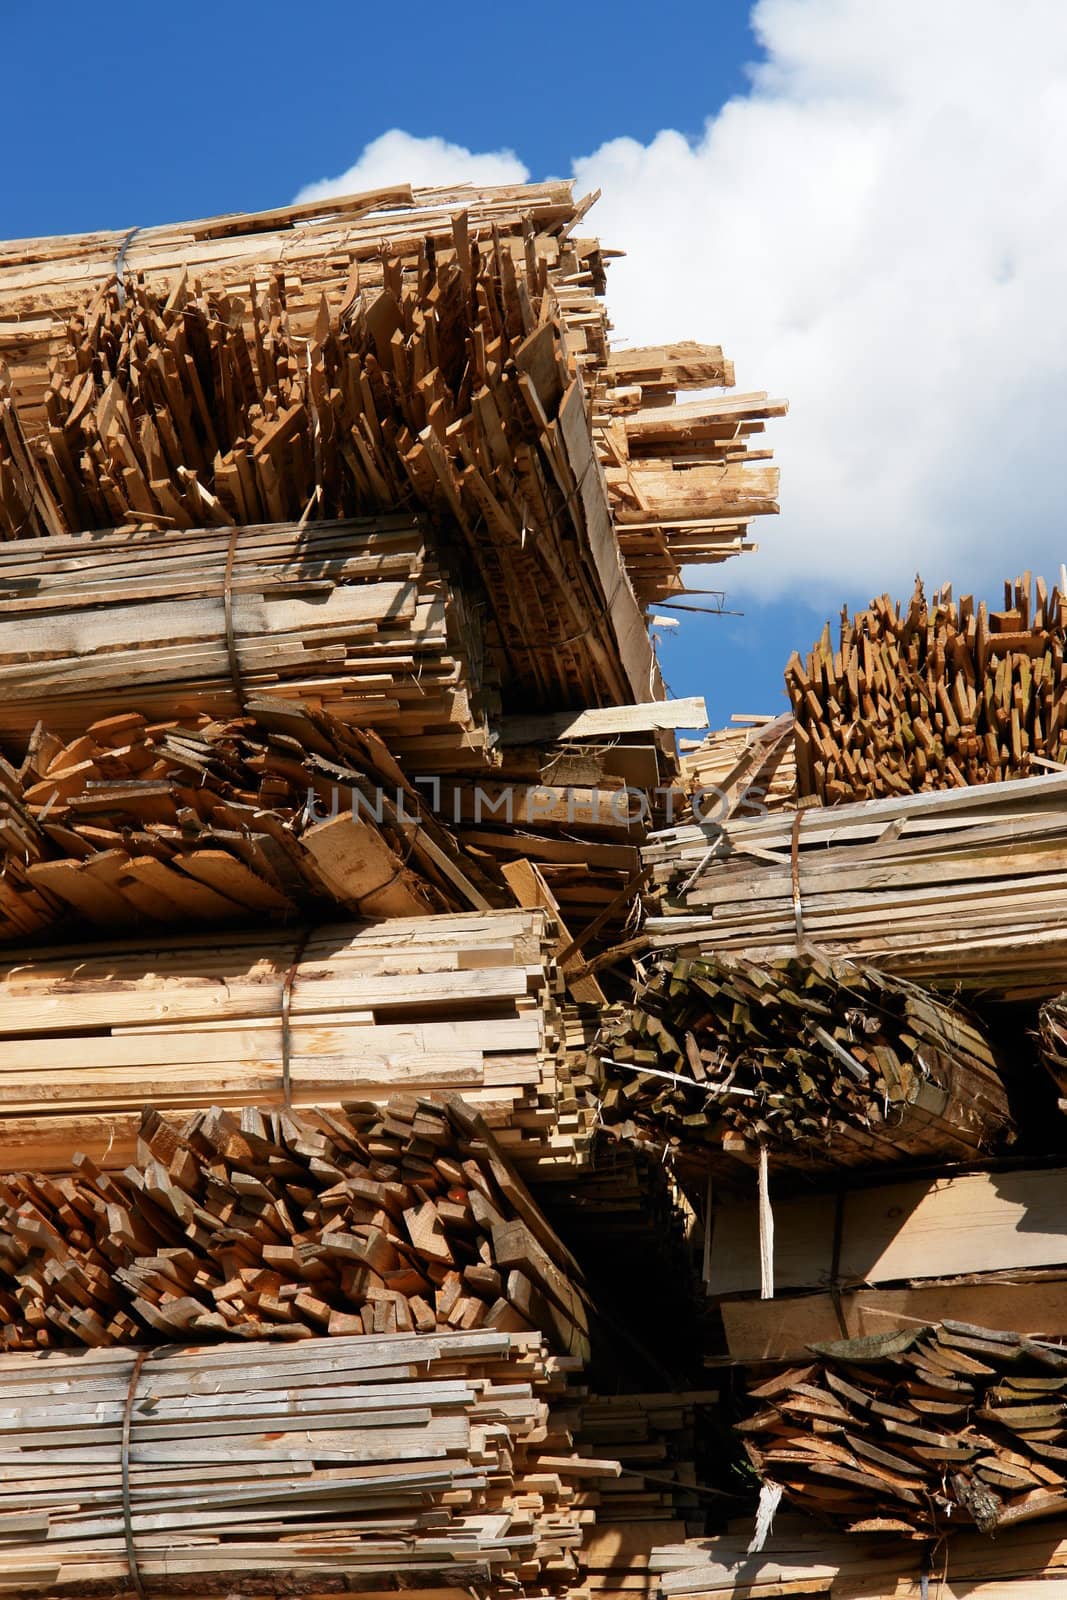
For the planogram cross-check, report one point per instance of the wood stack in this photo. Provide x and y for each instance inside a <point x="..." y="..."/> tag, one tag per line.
<point x="819" y="1064"/>
<point x="902" y="1433"/>
<point x="933" y="696"/>
<point x="285" y="1225"/>
<point x="678" y="475"/>
<point x="309" y="1470"/>
<point x="462" y="1004"/>
<point x="354" y="618"/>
<point x="960" y="889"/>
<point x="282" y="813"/>
<point x="746" y="769"/>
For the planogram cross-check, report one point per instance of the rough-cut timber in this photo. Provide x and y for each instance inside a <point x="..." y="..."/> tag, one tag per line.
<point x="284" y="813"/>
<point x="916" y="1432"/>
<point x="464" y="1004"/>
<point x="821" y="1064"/>
<point x="431" y="1462"/>
<point x="279" y="1225"/>
<point x="933" y="695"/>
<point x="959" y="888"/>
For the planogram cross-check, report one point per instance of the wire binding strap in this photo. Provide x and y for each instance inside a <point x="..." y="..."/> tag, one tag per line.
<point x="227" y="612"/>
<point x="127" y="1521"/>
<point x="287" y="999"/>
<point x="835" y="1263"/>
<point x="120" y="262"/>
<point x="794" y="873"/>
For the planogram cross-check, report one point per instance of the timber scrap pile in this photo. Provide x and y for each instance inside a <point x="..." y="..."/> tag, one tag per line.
<point x="847" y="1037"/>
<point x="933" y="695"/>
<point x="330" y="731"/>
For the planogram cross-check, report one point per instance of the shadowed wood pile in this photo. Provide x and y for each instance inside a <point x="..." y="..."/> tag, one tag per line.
<point x="905" y="1432"/>
<point x="285" y="1225"/>
<point x="803" y="1557"/>
<point x="281" y="813"/>
<point x="377" y="1463"/>
<point x="822" y="1064"/>
<point x="958" y="888"/>
<point x="464" y="1004"/>
<point x="933" y="695"/>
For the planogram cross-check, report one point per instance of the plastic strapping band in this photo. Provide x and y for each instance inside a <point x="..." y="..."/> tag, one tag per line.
<point x="120" y="262"/>
<point x="127" y="1522"/>
<point x="794" y="873"/>
<point x="287" y="998"/>
<point x="835" y="1262"/>
<point x="227" y="611"/>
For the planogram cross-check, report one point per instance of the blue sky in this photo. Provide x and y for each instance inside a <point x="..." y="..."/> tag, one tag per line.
<point x="864" y="204"/>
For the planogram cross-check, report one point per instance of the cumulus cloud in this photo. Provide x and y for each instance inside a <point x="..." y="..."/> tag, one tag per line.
<point x="398" y="157"/>
<point x="877" y="230"/>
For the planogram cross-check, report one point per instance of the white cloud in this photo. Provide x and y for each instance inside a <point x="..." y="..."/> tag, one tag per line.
<point x="398" y="157"/>
<point x="878" y="231"/>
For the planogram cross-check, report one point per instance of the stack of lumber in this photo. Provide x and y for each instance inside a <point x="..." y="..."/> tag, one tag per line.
<point x="282" y="813"/>
<point x="960" y="887"/>
<point x="933" y="696"/>
<point x="819" y="1063"/>
<point x="366" y="1464"/>
<point x="680" y="477"/>
<point x="746" y="769"/>
<point x="449" y="388"/>
<point x="352" y="617"/>
<point x="962" y="1247"/>
<point x="285" y="1225"/>
<point x="902" y="1433"/>
<point x="804" y="1558"/>
<point x="462" y="1004"/>
<point x="658" y="1498"/>
<point x="683" y="485"/>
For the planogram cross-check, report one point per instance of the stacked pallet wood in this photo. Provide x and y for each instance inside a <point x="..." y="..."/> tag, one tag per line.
<point x="817" y="1063"/>
<point x="933" y="695"/>
<point x="315" y="1469"/>
<point x="461" y="1004"/>
<point x="354" y="618"/>
<point x="283" y="813"/>
<point x="960" y="889"/>
<point x="862" y="1262"/>
<point x="904" y="1432"/>
<point x="402" y="1220"/>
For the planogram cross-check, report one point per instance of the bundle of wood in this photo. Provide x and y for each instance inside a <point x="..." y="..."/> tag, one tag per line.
<point x="655" y="1438"/>
<point x="279" y="1225"/>
<point x="933" y="696"/>
<point x="962" y="888"/>
<point x="902" y="1433"/>
<point x="804" y="1558"/>
<point x="819" y="1063"/>
<point x="449" y="388"/>
<point x="464" y="1004"/>
<point x="866" y="1261"/>
<point x="374" y="1464"/>
<point x="355" y="618"/>
<point x="283" y="812"/>
<point x="746" y="769"/>
<point x="681" y="478"/>
<point x="677" y="475"/>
